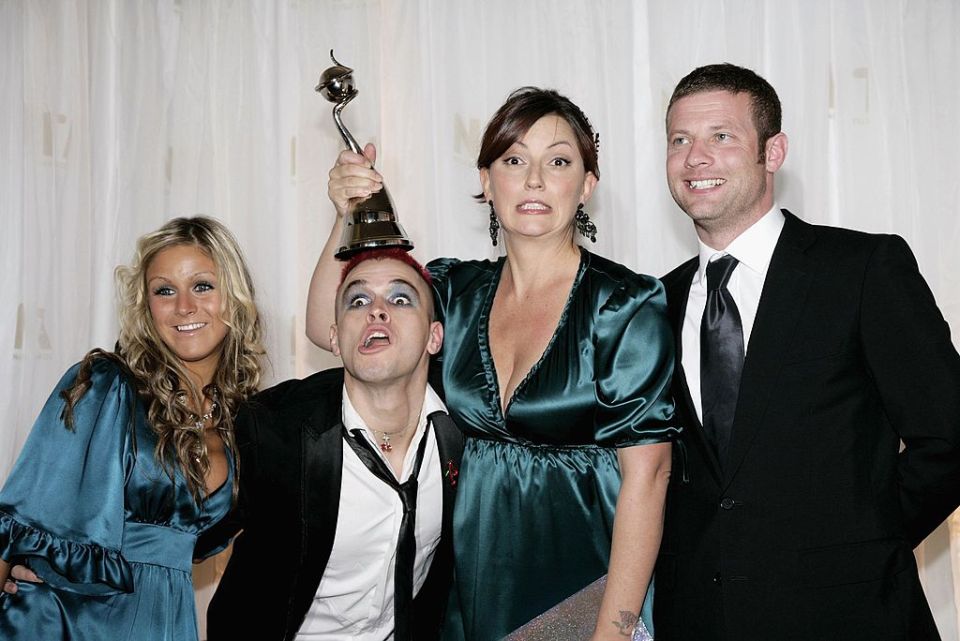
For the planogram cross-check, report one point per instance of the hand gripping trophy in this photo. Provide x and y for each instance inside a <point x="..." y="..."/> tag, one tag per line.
<point x="372" y="223"/>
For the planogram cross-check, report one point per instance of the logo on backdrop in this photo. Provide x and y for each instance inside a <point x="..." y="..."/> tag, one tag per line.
<point x="38" y="341"/>
<point x="855" y="90"/>
<point x="466" y="138"/>
<point x="57" y="137"/>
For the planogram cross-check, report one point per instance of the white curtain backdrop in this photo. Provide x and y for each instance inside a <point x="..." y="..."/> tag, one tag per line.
<point x="117" y="115"/>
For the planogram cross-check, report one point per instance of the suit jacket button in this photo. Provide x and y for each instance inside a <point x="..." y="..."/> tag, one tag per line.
<point x="717" y="578"/>
<point x="727" y="503"/>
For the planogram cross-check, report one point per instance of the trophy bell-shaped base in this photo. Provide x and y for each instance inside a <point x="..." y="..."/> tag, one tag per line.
<point x="372" y="224"/>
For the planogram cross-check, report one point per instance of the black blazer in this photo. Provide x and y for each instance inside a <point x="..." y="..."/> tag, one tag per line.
<point x="291" y="464"/>
<point x="808" y="531"/>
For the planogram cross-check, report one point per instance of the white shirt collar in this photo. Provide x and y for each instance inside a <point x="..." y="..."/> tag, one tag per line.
<point x="352" y="419"/>
<point x="753" y="248"/>
<point x="354" y="599"/>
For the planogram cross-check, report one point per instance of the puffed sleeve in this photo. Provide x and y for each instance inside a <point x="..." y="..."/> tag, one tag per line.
<point x="634" y="366"/>
<point x="439" y="269"/>
<point x="62" y="507"/>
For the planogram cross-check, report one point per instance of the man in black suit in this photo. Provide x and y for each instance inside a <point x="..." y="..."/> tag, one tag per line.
<point x="807" y="356"/>
<point x="334" y="546"/>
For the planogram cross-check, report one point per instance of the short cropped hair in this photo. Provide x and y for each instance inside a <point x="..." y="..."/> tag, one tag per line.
<point x="728" y="77"/>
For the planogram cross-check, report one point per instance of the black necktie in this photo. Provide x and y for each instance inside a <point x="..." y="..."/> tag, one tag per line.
<point x="407" y="543"/>
<point x="721" y="356"/>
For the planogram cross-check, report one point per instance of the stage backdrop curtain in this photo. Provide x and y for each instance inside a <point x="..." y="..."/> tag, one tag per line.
<point x="117" y="115"/>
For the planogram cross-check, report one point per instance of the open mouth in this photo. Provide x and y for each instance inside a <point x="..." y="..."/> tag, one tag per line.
<point x="533" y="207"/>
<point x="190" y="327"/>
<point x="375" y="338"/>
<point x="706" y="183"/>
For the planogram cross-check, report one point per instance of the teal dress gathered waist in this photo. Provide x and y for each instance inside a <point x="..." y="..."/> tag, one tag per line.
<point x="94" y="514"/>
<point x="539" y="482"/>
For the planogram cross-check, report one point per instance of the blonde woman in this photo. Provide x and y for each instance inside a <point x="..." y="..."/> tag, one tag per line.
<point x="133" y="454"/>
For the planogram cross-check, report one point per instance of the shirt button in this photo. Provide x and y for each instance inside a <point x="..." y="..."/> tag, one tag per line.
<point x="727" y="503"/>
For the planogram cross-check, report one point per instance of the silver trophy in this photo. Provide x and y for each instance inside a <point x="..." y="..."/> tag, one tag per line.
<point x="373" y="222"/>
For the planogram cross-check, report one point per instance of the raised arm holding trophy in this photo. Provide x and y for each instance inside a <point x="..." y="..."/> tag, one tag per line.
<point x="373" y="221"/>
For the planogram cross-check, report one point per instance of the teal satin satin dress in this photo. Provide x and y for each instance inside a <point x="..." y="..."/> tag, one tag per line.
<point x="101" y="522"/>
<point x="538" y="484"/>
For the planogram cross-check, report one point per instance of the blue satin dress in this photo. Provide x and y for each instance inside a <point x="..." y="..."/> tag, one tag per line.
<point x="102" y="523"/>
<point x="539" y="483"/>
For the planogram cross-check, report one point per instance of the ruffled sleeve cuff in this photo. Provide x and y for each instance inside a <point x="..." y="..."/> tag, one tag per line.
<point x="79" y="567"/>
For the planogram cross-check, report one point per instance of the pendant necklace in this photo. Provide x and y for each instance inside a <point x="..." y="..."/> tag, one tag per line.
<point x="206" y="417"/>
<point x="384" y="437"/>
<point x="200" y="447"/>
<point x="198" y="421"/>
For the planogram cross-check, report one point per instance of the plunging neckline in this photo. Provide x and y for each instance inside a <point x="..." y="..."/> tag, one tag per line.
<point x="486" y="354"/>
<point x="226" y="481"/>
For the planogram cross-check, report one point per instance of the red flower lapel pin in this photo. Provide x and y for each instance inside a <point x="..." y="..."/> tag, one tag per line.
<point x="451" y="473"/>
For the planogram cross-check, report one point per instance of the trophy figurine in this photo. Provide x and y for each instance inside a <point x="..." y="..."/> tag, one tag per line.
<point x="372" y="223"/>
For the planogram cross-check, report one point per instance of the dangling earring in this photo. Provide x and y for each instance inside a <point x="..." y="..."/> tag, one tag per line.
<point x="584" y="225"/>
<point x="494" y="224"/>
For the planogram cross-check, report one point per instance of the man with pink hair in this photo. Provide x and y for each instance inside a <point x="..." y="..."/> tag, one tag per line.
<point x="348" y="479"/>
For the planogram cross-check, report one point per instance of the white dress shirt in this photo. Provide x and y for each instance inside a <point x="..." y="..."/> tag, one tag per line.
<point x="753" y="249"/>
<point x="355" y="596"/>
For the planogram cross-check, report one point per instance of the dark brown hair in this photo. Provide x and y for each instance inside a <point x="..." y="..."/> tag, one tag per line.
<point x="727" y="77"/>
<point x="522" y="109"/>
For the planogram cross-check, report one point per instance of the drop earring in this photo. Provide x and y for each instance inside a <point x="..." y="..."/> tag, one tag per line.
<point x="584" y="225"/>
<point x="494" y="224"/>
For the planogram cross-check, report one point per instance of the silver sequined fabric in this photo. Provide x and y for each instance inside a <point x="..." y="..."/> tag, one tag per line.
<point x="572" y="620"/>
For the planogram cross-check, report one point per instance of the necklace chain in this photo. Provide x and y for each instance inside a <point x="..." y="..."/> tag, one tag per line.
<point x="200" y="448"/>
<point x="200" y="420"/>
<point x="206" y="417"/>
<point x="385" y="445"/>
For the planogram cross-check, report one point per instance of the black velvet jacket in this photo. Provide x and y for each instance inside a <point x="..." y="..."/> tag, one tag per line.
<point x="291" y="449"/>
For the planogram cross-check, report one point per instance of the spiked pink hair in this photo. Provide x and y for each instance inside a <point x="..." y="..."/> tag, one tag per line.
<point x="380" y="254"/>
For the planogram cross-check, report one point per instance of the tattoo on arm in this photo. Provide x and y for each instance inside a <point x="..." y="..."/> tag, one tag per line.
<point x="627" y="622"/>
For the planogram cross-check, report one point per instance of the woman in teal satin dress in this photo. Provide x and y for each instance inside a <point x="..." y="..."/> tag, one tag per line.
<point x="556" y="364"/>
<point x="132" y="455"/>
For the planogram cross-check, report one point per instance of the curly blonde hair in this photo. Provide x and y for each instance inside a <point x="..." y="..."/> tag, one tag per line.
<point x="162" y="380"/>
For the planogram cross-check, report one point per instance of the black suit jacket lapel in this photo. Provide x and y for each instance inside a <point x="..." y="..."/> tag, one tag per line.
<point x="450" y="450"/>
<point x="322" y="472"/>
<point x="431" y="600"/>
<point x="321" y="464"/>
<point x="781" y="302"/>
<point x="678" y="291"/>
